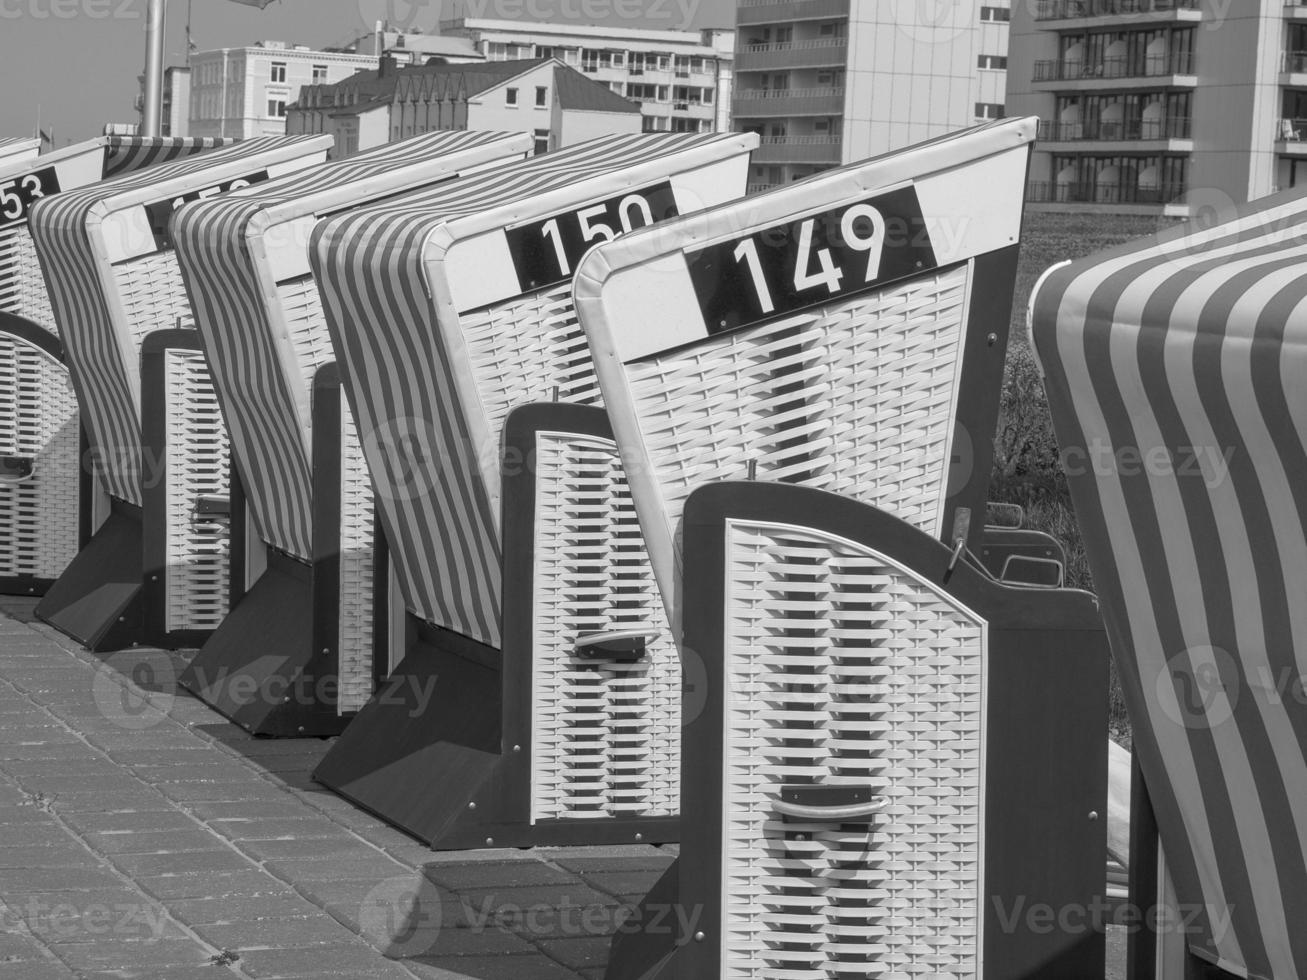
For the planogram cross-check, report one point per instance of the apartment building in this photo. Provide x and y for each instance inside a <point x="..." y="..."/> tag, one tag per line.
<point x="244" y="92"/>
<point x="176" y="107"/>
<point x="1161" y="106"/>
<point x="828" y="82"/>
<point x="682" y="80"/>
<point x="556" y="104"/>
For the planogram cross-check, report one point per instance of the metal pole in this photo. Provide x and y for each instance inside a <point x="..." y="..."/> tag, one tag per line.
<point x="152" y="117"/>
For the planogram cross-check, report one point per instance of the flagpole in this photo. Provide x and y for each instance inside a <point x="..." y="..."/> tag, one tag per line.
<point x="152" y="117"/>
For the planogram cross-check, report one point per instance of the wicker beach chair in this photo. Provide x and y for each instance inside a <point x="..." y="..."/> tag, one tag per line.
<point x="553" y="719"/>
<point x="117" y="294"/>
<point x="306" y="623"/>
<point x="45" y="500"/>
<point x="888" y="754"/>
<point x="1174" y="368"/>
<point x="18" y="149"/>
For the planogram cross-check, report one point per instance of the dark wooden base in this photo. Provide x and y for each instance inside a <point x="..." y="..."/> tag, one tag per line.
<point x="97" y="600"/>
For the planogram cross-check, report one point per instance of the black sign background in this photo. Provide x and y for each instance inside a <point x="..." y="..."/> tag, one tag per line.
<point x="160" y="212"/>
<point x="27" y="188"/>
<point x="724" y="284"/>
<point x="535" y="257"/>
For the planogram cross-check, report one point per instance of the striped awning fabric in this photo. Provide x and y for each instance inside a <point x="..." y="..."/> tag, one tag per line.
<point x="1175" y="371"/>
<point x="125" y="154"/>
<point x="386" y="311"/>
<point x="79" y="236"/>
<point x="235" y="253"/>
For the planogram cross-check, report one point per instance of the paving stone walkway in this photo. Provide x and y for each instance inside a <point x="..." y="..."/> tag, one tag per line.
<point x="143" y="837"/>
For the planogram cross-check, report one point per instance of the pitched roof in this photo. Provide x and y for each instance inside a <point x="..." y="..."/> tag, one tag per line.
<point x="575" y="91"/>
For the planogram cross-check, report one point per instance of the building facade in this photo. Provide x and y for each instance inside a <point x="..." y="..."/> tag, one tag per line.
<point x="682" y="80"/>
<point x="245" y="92"/>
<point x="176" y="102"/>
<point x="1161" y="106"/>
<point x="540" y="96"/>
<point x="828" y="82"/>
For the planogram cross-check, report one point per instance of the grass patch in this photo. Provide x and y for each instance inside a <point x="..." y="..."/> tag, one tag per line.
<point x="1027" y="468"/>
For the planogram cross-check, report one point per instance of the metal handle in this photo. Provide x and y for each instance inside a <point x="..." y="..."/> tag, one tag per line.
<point x="824" y="803"/>
<point x="211" y="507"/>
<point x="16" y="469"/>
<point x="624" y="646"/>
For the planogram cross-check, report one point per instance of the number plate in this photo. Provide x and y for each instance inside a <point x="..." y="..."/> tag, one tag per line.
<point x="19" y="194"/>
<point x="160" y="212"/>
<point x="811" y="261"/>
<point x="547" y="252"/>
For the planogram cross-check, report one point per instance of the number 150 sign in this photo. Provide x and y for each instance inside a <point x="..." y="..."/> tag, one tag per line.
<point x="811" y="260"/>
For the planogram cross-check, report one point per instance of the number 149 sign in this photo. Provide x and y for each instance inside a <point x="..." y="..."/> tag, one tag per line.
<point x="811" y="261"/>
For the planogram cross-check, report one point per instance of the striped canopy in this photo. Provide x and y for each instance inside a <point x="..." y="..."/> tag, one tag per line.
<point x="88" y="240"/>
<point x="245" y="260"/>
<point x="1175" y="369"/>
<point x="394" y="292"/>
<point x="124" y="154"/>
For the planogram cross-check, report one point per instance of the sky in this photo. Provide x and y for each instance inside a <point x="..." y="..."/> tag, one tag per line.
<point x="74" y="63"/>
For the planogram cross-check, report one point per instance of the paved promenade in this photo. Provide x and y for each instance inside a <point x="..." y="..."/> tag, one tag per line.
<point x="143" y="836"/>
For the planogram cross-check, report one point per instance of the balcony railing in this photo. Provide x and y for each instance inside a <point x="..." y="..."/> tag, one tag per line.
<point x="1069" y="9"/>
<point x="799" y="149"/>
<point x="1292" y="131"/>
<point x="817" y="53"/>
<point x="1162" y="64"/>
<point x="1295" y="61"/>
<point x="788" y="11"/>
<point x="1176" y="128"/>
<point x="1049" y="192"/>
<point x="789" y="102"/>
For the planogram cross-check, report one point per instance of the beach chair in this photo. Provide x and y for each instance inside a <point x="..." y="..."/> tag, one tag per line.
<point x="307" y="622"/>
<point x="45" y="496"/>
<point x="522" y="715"/>
<point x="889" y="756"/>
<point x="117" y="295"/>
<point x="16" y="149"/>
<point x="1174" y="369"/>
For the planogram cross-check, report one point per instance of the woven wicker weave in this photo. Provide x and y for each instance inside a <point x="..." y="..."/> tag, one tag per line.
<point x="356" y="570"/>
<point x="845" y="670"/>
<point x="197" y="461"/>
<point x="22" y="290"/>
<point x="38" y="420"/>
<point x="878" y="377"/>
<point x="606" y="738"/>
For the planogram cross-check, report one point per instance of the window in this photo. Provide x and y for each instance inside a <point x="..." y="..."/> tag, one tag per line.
<point x="685" y="125"/>
<point x="276" y="108"/>
<point x="510" y="96"/>
<point x="542" y="141"/>
<point x="995" y="15"/>
<point x="989" y="110"/>
<point x="278" y="74"/>
<point x="542" y="96"/>
<point x="993" y="62"/>
<point x="319" y="74"/>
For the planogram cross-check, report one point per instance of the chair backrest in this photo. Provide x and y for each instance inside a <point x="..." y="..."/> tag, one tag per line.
<point x="14" y="148"/>
<point x="112" y="275"/>
<point x="244" y="258"/>
<point x="452" y="306"/>
<point x="846" y="333"/>
<point x="1174" y="367"/>
<point x="26" y="180"/>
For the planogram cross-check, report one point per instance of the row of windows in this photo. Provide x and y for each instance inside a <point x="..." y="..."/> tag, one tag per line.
<point x="542" y="97"/>
<point x="277" y="73"/>
<point x="593" y="59"/>
<point x="693" y="95"/>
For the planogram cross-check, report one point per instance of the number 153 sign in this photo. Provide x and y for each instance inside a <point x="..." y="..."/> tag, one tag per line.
<point x="812" y="260"/>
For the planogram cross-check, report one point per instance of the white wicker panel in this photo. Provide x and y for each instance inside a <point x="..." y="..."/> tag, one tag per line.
<point x="855" y="398"/>
<point x="22" y="288"/>
<point x="153" y="294"/>
<point x="842" y="669"/>
<point x="606" y="735"/>
<point x="528" y="348"/>
<point x="38" y="420"/>
<point x="197" y="458"/>
<point x="356" y="568"/>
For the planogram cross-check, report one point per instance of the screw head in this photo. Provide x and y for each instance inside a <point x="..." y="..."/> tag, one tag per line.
<point x="1093" y="814"/>
<point x="639" y="837"/>
<point x="472" y="806"/>
<point x="490" y="842"/>
<point x="699" y="937"/>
